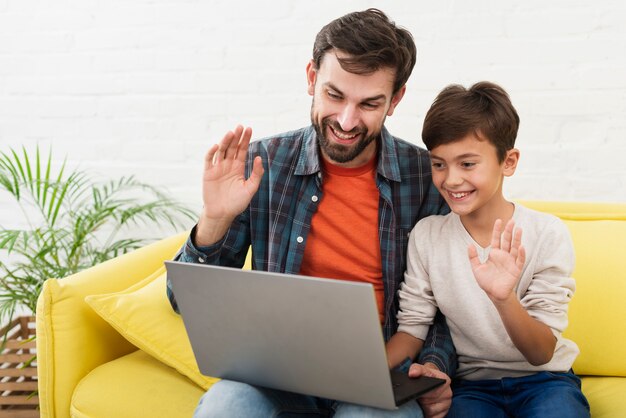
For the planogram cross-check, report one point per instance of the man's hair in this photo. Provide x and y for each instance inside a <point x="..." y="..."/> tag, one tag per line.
<point x="484" y="110"/>
<point x="371" y="41"/>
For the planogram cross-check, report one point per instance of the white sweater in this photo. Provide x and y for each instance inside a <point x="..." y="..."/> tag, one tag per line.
<point x="439" y="275"/>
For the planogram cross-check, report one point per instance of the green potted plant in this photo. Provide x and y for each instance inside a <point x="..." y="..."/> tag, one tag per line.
<point x="67" y="222"/>
<point x="70" y="222"/>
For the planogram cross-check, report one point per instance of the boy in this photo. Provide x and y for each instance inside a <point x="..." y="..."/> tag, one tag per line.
<point x="504" y="297"/>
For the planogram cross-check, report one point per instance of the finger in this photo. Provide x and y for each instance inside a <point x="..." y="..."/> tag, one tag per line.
<point x="507" y="235"/>
<point x="417" y="370"/>
<point x="433" y="396"/>
<point x="472" y="253"/>
<point x="254" y="180"/>
<point x="496" y="234"/>
<point x="210" y="155"/>
<point x="223" y="146"/>
<point x="516" y="242"/>
<point x="521" y="258"/>
<point x="242" y="146"/>
<point x="231" y="150"/>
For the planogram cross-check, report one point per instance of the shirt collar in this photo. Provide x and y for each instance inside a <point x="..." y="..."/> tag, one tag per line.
<point x="309" y="158"/>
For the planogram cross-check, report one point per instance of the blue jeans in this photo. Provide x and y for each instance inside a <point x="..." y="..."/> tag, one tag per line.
<point x="545" y="395"/>
<point x="230" y="399"/>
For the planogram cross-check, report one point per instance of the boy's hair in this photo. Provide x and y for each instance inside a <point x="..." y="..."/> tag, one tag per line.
<point x="372" y="41"/>
<point x="484" y="109"/>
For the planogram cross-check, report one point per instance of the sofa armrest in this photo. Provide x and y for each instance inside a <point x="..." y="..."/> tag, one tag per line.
<point x="72" y="339"/>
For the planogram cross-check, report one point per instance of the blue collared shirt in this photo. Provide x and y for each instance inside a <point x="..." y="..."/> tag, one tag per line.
<point x="277" y="222"/>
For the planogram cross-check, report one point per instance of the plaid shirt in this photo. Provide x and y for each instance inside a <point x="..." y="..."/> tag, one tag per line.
<point x="278" y="219"/>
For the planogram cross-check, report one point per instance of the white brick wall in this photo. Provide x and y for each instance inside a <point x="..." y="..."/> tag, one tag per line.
<point x="144" y="87"/>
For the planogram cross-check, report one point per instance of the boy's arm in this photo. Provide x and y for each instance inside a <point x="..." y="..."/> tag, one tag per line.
<point x="436" y="352"/>
<point x="498" y="277"/>
<point x="418" y="315"/>
<point x="532" y="338"/>
<point x="400" y="346"/>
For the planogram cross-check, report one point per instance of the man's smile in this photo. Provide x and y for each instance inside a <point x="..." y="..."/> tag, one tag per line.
<point x="344" y="138"/>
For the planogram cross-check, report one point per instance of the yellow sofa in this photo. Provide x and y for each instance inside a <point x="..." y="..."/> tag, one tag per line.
<point x="109" y="346"/>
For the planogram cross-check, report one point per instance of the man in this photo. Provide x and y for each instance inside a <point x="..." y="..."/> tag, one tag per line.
<point x="336" y="199"/>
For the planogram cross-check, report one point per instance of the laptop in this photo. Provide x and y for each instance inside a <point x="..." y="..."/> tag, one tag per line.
<point x="313" y="336"/>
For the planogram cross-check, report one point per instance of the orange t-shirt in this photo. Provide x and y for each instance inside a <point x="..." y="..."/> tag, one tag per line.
<point x="343" y="241"/>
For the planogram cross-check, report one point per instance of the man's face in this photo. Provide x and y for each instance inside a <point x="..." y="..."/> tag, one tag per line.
<point x="349" y="110"/>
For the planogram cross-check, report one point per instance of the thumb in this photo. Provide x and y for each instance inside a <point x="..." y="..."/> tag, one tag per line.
<point x="257" y="172"/>
<point x="418" y="370"/>
<point x="472" y="253"/>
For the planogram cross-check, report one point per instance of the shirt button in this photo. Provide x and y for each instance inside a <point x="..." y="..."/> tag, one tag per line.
<point x="300" y="240"/>
<point x="200" y="259"/>
<point x="314" y="198"/>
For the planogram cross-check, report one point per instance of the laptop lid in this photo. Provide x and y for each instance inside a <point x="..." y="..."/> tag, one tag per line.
<point x="301" y="334"/>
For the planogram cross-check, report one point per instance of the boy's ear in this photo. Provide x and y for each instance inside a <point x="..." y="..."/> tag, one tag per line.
<point x="510" y="162"/>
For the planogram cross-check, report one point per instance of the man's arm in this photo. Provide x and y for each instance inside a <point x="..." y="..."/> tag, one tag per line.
<point x="238" y="237"/>
<point x="436" y="403"/>
<point x="438" y="348"/>
<point x="226" y="193"/>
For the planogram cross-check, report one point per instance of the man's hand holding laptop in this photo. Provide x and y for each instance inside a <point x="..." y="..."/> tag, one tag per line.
<point x="435" y="404"/>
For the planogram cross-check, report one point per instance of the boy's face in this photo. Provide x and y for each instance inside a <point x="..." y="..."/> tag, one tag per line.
<point x="469" y="176"/>
<point x="349" y="110"/>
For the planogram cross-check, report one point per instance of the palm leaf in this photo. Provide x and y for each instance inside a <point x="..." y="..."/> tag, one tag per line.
<point x="9" y="238"/>
<point x="79" y="224"/>
<point x="19" y="168"/>
<point x="10" y="177"/>
<point x="38" y="176"/>
<point x="46" y="180"/>
<point x="28" y="174"/>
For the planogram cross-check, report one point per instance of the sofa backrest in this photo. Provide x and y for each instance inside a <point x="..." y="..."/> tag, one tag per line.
<point x="598" y="308"/>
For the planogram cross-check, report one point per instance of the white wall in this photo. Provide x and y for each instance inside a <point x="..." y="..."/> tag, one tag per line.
<point x="145" y="86"/>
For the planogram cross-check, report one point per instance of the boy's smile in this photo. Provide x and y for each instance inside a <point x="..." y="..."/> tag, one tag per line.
<point x="459" y="195"/>
<point x="469" y="176"/>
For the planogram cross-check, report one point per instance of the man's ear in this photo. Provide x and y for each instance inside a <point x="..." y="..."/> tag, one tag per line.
<point x="510" y="162"/>
<point x="396" y="99"/>
<point x="311" y="76"/>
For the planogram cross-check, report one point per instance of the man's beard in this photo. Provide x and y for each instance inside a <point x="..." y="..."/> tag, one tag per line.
<point x="337" y="152"/>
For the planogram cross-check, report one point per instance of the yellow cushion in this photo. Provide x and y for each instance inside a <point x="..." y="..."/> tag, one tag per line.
<point x="598" y="309"/>
<point x="135" y="385"/>
<point x="606" y="396"/>
<point x="71" y="338"/>
<point x="143" y="315"/>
